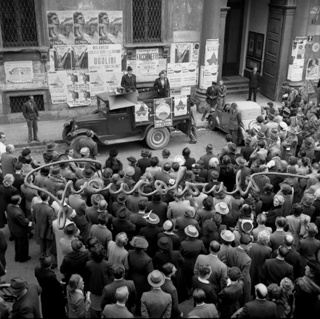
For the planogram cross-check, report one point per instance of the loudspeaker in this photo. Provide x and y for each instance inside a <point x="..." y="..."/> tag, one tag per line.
<point x="119" y="101"/>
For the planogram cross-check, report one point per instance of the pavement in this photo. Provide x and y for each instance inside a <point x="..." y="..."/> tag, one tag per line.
<point x="16" y="133"/>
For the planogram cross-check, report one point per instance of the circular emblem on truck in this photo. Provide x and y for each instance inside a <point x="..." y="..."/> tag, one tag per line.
<point x="163" y="111"/>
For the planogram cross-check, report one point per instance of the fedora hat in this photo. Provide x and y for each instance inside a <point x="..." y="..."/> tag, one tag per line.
<point x="87" y="172"/>
<point x="129" y="68"/>
<point x="156" y="279"/>
<point x="55" y="171"/>
<point x="307" y="143"/>
<point x="113" y="153"/>
<point x="179" y="159"/>
<point x="121" y="198"/>
<point x="227" y="235"/>
<point x="25" y="151"/>
<point x="260" y="136"/>
<point x="209" y="147"/>
<point x="241" y="161"/>
<point x="51" y="146"/>
<point x="292" y="130"/>
<point x="18" y="284"/>
<point x="248" y="139"/>
<point x="165" y="243"/>
<point x="286" y="110"/>
<point x="274" y="131"/>
<point x="232" y="147"/>
<point x="222" y="208"/>
<point x="191" y="231"/>
<point x="70" y="229"/>
<point x="273" y="137"/>
<point x="283" y="126"/>
<point x="122" y="213"/>
<point x="132" y="159"/>
<point x="95" y="199"/>
<point x="304" y="134"/>
<point x="84" y="151"/>
<point x="139" y="242"/>
<point x="246" y="225"/>
<point x="129" y="171"/>
<point x="190" y="212"/>
<point x="152" y="218"/>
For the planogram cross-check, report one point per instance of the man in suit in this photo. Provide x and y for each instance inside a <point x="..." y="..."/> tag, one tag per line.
<point x="238" y="257"/>
<point x="163" y="175"/>
<point x="277" y="237"/>
<point x="219" y="275"/>
<point x="162" y="85"/>
<point x="212" y="94"/>
<point x="27" y="302"/>
<point x="274" y="270"/>
<point x="254" y="84"/>
<point x="31" y="114"/>
<point x="235" y="123"/>
<point x="18" y="225"/>
<point x="108" y="293"/>
<point x="260" y="307"/>
<point x="156" y="303"/>
<point x="206" y="158"/>
<point x="129" y="81"/>
<point x="43" y="216"/>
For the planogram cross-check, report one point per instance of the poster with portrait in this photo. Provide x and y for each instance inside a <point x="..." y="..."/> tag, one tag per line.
<point x="141" y="112"/>
<point x="180" y="52"/>
<point x="84" y="94"/>
<point x="73" y="98"/>
<point x="60" y="27"/>
<point x="57" y="82"/>
<point x="162" y="109"/>
<point x="79" y="57"/>
<point x="180" y="105"/>
<point x="62" y="57"/>
<point x="110" y="27"/>
<point x="313" y="69"/>
<point x="18" y="71"/>
<point x="86" y="27"/>
<point x="83" y="77"/>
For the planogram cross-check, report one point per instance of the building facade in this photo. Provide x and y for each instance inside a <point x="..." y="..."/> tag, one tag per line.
<point x="65" y="51"/>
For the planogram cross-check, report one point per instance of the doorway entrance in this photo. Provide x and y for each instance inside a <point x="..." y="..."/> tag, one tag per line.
<point x="233" y="38"/>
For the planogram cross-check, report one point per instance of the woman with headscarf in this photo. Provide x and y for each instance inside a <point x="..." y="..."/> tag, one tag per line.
<point x="140" y="265"/>
<point x="275" y="211"/>
<point x="167" y="255"/>
<point x="50" y="287"/>
<point x="6" y="192"/>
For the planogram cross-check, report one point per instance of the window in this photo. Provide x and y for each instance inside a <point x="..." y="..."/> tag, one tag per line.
<point x="18" y="23"/>
<point x="146" y="21"/>
<point x="16" y="102"/>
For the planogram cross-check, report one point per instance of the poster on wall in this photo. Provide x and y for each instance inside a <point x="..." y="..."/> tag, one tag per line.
<point x="60" y="27"/>
<point x="84" y="27"/>
<point x="57" y="82"/>
<point x="97" y="82"/>
<point x="211" y="59"/>
<point x="62" y="57"/>
<point x="79" y="57"/>
<point x="195" y="52"/>
<point x="162" y="112"/>
<point x="181" y="52"/>
<point x="18" y="71"/>
<point x="180" y="105"/>
<point x="141" y="112"/>
<point x="206" y="77"/>
<point x="147" y="61"/>
<point x="182" y="74"/>
<point x="313" y="69"/>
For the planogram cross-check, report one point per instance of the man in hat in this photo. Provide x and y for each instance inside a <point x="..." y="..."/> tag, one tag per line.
<point x="202" y="309"/>
<point x="31" y="114"/>
<point x="219" y="275"/>
<point x="49" y="152"/>
<point x="163" y="175"/>
<point x="92" y="212"/>
<point x="19" y="227"/>
<point x="138" y="218"/>
<point x="289" y="145"/>
<point x="87" y="141"/>
<point x="122" y="223"/>
<point x="25" y="156"/>
<point x="27" y="302"/>
<point x="227" y="238"/>
<point x="271" y="123"/>
<point x="162" y="85"/>
<point x="101" y="231"/>
<point x="238" y="257"/>
<point x="212" y="94"/>
<point x="209" y="154"/>
<point x="156" y="303"/>
<point x="54" y="181"/>
<point x="183" y="221"/>
<point x="144" y="162"/>
<point x="254" y="84"/>
<point x="129" y="81"/>
<point x="235" y="123"/>
<point x="137" y="171"/>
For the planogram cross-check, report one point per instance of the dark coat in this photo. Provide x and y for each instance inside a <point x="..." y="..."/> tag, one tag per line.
<point x="18" y="181"/>
<point x="208" y="288"/>
<point x="74" y="263"/>
<point x="129" y="82"/>
<point x="123" y="225"/>
<point x="176" y="243"/>
<point x="274" y="270"/>
<point x="254" y="80"/>
<point x="109" y="291"/>
<point x="3" y="248"/>
<point x="258" y="254"/>
<point x="162" y="91"/>
<point x="50" y="285"/>
<point x="30" y="113"/>
<point x="43" y="217"/>
<point x="143" y="163"/>
<point x="28" y="306"/>
<point x="169" y="288"/>
<point x="214" y="92"/>
<point x="5" y="196"/>
<point x="18" y="223"/>
<point x="253" y="309"/>
<point x="307" y="249"/>
<point x="160" y="209"/>
<point x="150" y="232"/>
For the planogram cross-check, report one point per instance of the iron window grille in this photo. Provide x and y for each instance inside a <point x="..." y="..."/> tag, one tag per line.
<point x="146" y="21"/>
<point x="18" y="23"/>
<point x="16" y="102"/>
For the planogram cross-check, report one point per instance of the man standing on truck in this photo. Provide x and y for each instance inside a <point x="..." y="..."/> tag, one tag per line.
<point x="212" y="99"/>
<point x="129" y="81"/>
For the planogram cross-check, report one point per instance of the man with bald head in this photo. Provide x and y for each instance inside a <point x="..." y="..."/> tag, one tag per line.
<point x="260" y="307"/>
<point x="219" y="275"/>
<point x="8" y="160"/>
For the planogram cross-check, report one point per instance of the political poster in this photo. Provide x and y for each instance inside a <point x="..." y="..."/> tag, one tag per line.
<point x="79" y="57"/>
<point x="57" y="82"/>
<point x="180" y="105"/>
<point x="211" y="57"/>
<point x="62" y="57"/>
<point x="141" y="112"/>
<point x="73" y="97"/>
<point x="182" y="74"/>
<point x="86" y="27"/>
<point x="147" y="61"/>
<point x="162" y="109"/>
<point x="18" y="71"/>
<point x="195" y="52"/>
<point x="181" y="52"/>
<point x="97" y="82"/>
<point x="60" y="27"/>
<point x="110" y="27"/>
<point x="313" y="69"/>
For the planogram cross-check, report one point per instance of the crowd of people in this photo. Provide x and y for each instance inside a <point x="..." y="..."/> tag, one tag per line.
<point x="232" y="245"/>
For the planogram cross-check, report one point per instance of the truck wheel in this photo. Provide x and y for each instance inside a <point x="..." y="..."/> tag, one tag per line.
<point x="158" y="138"/>
<point x="66" y="130"/>
<point x="75" y="146"/>
<point x="211" y="123"/>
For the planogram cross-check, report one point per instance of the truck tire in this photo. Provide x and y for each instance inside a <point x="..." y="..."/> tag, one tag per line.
<point x="158" y="138"/>
<point x="75" y="146"/>
<point x="66" y="130"/>
<point x="211" y="123"/>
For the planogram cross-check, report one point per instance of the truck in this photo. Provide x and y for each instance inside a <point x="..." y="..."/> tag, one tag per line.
<point x="122" y="118"/>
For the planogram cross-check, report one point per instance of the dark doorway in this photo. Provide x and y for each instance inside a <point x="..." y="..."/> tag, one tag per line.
<point x="233" y="38"/>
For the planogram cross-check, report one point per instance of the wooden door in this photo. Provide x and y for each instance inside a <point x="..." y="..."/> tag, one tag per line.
<point x="272" y="53"/>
